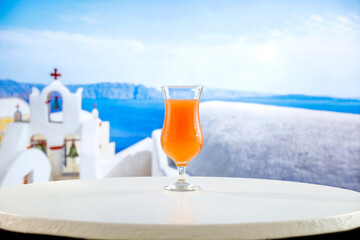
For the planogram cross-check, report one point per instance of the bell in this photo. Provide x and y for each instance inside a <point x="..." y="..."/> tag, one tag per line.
<point x="56" y="104"/>
<point x="73" y="153"/>
<point x="40" y="147"/>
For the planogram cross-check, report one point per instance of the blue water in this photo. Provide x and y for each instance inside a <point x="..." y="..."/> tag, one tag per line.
<point x="130" y="120"/>
<point x="133" y="120"/>
<point x="309" y="102"/>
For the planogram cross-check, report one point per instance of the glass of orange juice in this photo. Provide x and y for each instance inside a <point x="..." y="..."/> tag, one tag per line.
<point x="181" y="136"/>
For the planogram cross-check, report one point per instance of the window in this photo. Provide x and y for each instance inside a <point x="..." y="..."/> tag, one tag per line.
<point x="55" y="106"/>
<point x="71" y="156"/>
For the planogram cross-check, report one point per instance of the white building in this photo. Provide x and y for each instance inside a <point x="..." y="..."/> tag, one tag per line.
<point x="7" y="109"/>
<point x="60" y="141"/>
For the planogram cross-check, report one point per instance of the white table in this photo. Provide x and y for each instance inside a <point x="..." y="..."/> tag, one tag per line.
<point x="138" y="208"/>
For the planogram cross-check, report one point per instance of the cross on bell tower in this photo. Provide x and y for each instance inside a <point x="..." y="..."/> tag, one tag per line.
<point x="55" y="74"/>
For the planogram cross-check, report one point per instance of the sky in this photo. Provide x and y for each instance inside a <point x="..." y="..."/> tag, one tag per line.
<point x="280" y="47"/>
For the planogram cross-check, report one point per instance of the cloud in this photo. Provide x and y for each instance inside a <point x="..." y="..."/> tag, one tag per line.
<point x="317" y="18"/>
<point x="319" y="55"/>
<point x="92" y="20"/>
<point x="343" y="20"/>
<point x="62" y="41"/>
<point x="29" y="55"/>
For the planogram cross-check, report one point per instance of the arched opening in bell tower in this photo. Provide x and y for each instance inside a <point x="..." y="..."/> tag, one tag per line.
<point x="71" y="156"/>
<point x="55" y="107"/>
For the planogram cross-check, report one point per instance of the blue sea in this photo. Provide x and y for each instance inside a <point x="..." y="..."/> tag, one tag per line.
<point x="130" y="120"/>
<point x="134" y="120"/>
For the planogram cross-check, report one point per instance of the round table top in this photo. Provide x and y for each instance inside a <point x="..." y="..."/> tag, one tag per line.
<point x="139" y="208"/>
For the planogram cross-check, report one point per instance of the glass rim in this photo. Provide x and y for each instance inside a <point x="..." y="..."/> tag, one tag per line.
<point x="180" y="86"/>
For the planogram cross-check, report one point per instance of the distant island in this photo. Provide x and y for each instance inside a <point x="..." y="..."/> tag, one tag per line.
<point x="11" y="88"/>
<point x="130" y="91"/>
<point x="107" y="90"/>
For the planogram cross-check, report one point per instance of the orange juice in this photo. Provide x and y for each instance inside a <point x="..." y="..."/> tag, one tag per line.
<point x="181" y="136"/>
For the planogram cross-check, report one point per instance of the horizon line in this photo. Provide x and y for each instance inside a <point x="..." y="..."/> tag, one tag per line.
<point x="264" y="93"/>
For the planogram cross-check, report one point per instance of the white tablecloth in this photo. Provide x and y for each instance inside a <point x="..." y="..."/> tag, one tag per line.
<point x="139" y="208"/>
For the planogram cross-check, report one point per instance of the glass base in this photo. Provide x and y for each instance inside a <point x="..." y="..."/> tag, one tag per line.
<point x="182" y="186"/>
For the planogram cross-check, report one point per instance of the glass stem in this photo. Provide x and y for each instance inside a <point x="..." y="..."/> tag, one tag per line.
<point x="181" y="173"/>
